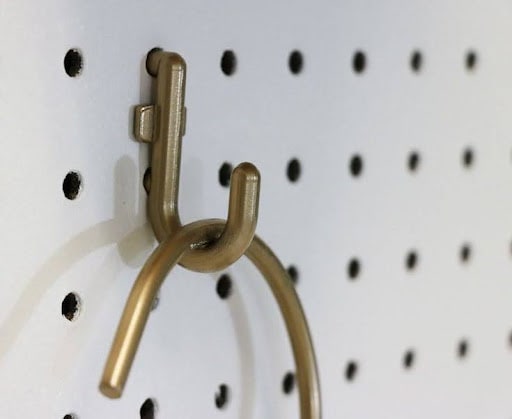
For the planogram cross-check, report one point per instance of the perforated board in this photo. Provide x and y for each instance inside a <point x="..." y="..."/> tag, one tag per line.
<point x="396" y="336"/>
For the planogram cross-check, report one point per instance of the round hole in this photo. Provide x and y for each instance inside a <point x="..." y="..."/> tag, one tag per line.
<point x="408" y="360"/>
<point x="359" y="62"/>
<point x="353" y="268"/>
<point x="148" y="409"/>
<point x="224" y="286"/>
<point x="510" y="339"/>
<point x="222" y="396"/>
<point x="225" y="174"/>
<point x="293" y="170"/>
<point x="465" y="253"/>
<point x="295" y="62"/>
<point x="293" y="273"/>
<point x="411" y="260"/>
<point x="146" y="180"/>
<point x="416" y="61"/>
<point x="156" y="302"/>
<point x="468" y="157"/>
<point x="73" y="62"/>
<point x="70" y="307"/>
<point x="351" y="371"/>
<point x="462" y="348"/>
<point x="356" y="165"/>
<point x="72" y="185"/>
<point x="471" y="60"/>
<point x="228" y="63"/>
<point x="70" y="416"/>
<point x="148" y="55"/>
<point x="288" y="382"/>
<point x="413" y="161"/>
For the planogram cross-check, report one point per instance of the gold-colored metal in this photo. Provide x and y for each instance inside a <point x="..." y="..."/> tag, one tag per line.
<point x="144" y="122"/>
<point x="203" y="246"/>
<point x="151" y="277"/>
<point x="163" y="125"/>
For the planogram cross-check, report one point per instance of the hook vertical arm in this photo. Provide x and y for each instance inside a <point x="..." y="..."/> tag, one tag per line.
<point x="163" y="125"/>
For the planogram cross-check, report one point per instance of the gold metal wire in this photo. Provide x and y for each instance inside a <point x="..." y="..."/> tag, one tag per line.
<point x="203" y="246"/>
<point x="151" y="277"/>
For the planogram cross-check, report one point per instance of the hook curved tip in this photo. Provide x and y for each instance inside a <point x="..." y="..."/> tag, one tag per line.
<point x="227" y="247"/>
<point x="175" y="62"/>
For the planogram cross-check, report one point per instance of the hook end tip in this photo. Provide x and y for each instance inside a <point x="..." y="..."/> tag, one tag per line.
<point x="111" y="391"/>
<point x="247" y="171"/>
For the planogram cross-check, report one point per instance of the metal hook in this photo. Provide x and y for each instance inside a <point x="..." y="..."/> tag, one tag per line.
<point x="163" y="125"/>
<point x="207" y="245"/>
<point x="151" y="277"/>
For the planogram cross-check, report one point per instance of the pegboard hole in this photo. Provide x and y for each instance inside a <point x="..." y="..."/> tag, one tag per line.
<point x="288" y="382"/>
<point x="73" y="62"/>
<point x="146" y="180"/>
<point x="413" y="161"/>
<point x="156" y="302"/>
<point x="222" y="396"/>
<point x="409" y="359"/>
<point x="293" y="273"/>
<point x="224" y="286"/>
<point x="293" y="170"/>
<point x="462" y="348"/>
<point x="356" y="165"/>
<point x="468" y="157"/>
<point x="351" y="370"/>
<point x="353" y="268"/>
<point x="296" y="62"/>
<point x="359" y="62"/>
<point x="72" y="185"/>
<point x="471" y="60"/>
<point x="411" y="260"/>
<point x="225" y="174"/>
<point x="70" y="307"/>
<point x="416" y="61"/>
<point x="148" y="55"/>
<point x="148" y="409"/>
<point x="465" y="253"/>
<point x="228" y="63"/>
<point x="70" y="416"/>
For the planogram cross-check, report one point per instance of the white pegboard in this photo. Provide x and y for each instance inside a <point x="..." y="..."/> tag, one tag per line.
<point x="51" y="124"/>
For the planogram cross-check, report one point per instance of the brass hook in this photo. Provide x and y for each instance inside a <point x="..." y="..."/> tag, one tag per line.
<point x="163" y="125"/>
<point x="151" y="277"/>
<point x="207" y="245"/>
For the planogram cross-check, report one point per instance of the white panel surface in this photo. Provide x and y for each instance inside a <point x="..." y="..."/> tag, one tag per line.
<point x="51" y="124"/>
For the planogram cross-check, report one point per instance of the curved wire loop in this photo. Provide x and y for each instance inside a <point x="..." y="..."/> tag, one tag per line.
<point x="163" y="125"/>
<point x="151" y="277"/>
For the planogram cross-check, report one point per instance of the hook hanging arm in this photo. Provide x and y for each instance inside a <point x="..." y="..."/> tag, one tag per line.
<point x="232" y="241"/>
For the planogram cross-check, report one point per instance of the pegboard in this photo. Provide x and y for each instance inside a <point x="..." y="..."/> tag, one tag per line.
<point x="382" y="131"/>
